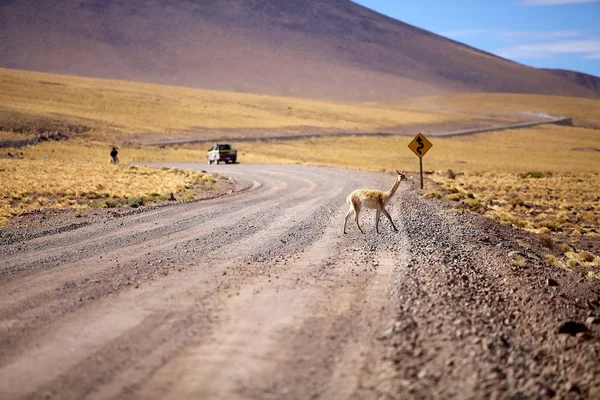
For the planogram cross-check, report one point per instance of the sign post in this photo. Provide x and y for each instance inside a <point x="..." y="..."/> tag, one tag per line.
<point x="420" y="145"/>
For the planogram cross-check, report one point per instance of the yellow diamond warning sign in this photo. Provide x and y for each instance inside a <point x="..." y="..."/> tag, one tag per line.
<point x="420" y="145"/>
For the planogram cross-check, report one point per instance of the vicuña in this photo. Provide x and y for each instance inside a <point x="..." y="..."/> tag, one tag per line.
<point x="375" y="199"/>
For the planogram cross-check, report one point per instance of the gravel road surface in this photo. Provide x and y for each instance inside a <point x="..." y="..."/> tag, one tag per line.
<point x="259" y="295"/>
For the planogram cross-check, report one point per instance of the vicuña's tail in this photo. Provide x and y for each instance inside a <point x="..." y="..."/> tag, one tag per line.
<point x="349" y="199"/>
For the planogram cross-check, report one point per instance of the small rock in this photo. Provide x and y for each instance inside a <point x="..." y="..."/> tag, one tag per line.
<point x="551" y="282"/>
<point x="572" y="387"/>
<point x="592" y="321"/>
<point x="572" y="328"/>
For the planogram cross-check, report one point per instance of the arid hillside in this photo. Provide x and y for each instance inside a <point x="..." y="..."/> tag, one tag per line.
<point x="332" y="49"/>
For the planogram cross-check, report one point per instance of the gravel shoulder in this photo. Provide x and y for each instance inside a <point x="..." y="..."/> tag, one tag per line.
<point x="259" y="294"/>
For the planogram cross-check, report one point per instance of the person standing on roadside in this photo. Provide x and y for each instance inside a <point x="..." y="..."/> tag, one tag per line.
<point x="113" y="155"/>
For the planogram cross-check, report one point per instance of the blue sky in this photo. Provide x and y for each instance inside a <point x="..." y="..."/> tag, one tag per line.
<point x="541" y="33"/>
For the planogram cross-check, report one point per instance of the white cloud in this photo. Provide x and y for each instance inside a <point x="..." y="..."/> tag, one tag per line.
<point x="465" y="32"/>
<point x="554" y="2"/>
<point x="513" y="36"/>
<point x="586" y="48"/>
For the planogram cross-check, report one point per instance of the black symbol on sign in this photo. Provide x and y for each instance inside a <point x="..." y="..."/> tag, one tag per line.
<point x="421" y="145"/>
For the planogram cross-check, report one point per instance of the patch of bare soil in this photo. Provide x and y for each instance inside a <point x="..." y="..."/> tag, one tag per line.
<point x="259" y="294"/>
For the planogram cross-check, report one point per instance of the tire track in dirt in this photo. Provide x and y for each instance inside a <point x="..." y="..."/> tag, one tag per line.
<point x="250" y="346"/>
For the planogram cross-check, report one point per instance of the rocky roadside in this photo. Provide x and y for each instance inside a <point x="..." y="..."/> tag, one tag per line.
<point x="471" y="324"/>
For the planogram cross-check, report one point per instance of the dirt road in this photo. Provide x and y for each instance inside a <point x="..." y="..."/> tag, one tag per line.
<point x="259" y="295"/>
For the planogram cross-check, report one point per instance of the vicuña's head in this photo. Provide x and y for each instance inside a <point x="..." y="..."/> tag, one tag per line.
<point x="401" y="175"/>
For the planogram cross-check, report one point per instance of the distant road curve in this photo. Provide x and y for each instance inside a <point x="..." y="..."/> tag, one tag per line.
<point x="554" y="120"/>
<point x="551" y="120"/>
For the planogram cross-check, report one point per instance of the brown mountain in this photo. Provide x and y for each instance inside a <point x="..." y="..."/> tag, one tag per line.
<point x="331" y="49"/>
<point x="580" y="78"/>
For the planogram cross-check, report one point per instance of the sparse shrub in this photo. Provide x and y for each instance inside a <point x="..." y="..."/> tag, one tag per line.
<point x="565" y="248"/>
<point x="450" y="174"/>
<point x="586" y="256"/>
<point x="516" y="201"/>
<point x="8" y="234"/>
<point x="547" y="241"/>
<point x="93" y="196"/>
<point x="572" y="262"/>
<point x="110" y="204"/>
<point x="455" y="196"/>
<point x="432" y="195"/>
<point x="552" y="260"/>
<point x="137" y="202"/>
<point x="589" y="217"/>
<point x="473" y="204"/>
<point x="534" y="175"/>
<point x="551" y="225"/>
<point x="43" y="201"/>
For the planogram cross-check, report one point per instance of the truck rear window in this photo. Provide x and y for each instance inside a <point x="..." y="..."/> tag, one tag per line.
<point x="224" y="147"/>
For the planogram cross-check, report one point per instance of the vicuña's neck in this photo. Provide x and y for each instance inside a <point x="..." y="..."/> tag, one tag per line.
<point x="393" y="189"/>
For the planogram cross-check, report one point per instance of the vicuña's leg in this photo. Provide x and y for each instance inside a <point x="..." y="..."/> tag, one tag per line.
<point x="377" y="216"/>
<point x="356" y="206"/>
<point x="350" y="211"/>
<point x="383" y="210"/>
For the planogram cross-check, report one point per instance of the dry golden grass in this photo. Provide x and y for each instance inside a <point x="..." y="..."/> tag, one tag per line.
<point x="555" y="203"/>
<point x="545" y="148"/>
<point x="573" y="258"/>
<point x="123" y="108"/>
<point x="71" y="175"/>
<point x="4" y="135"/>
<point x="584" y="112"/>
